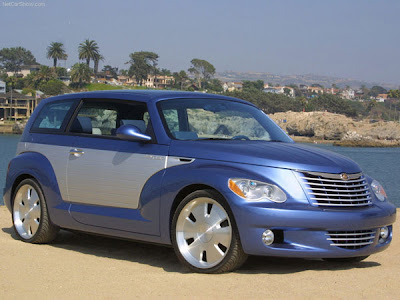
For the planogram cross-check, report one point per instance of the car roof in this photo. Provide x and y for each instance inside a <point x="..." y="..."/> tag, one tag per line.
<point x="148" y="96"/>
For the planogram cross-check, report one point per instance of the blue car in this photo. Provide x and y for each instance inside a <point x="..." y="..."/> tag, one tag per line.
<point x="210" y="175"/>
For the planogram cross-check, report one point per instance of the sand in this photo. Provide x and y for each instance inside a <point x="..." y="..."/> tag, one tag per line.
<point x="89" y="267"/>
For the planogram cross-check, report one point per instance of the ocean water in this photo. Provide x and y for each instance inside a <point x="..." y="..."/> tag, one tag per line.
<point x="383" y="164"/>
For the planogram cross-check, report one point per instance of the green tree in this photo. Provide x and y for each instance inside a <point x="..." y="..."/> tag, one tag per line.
<point x="11" y="82"/>
<point x="394" y="94"/>
<point x="52" y="87"/>
<point x="165" y="72"/>
<point x="214" y="85"/>
<point x="180" y="79"/>
<point x="376" y="90"/>
<point x="80" y="74"/>
<point x="56" y="52"/>
<point x="123" y="72"/>
<point x="286" y="91"/>
<point x="97" y="59"/>
<point x="258" y="85"/>
<point x="89" y="50"/>
<point x="143" y="63"/>
<point x="110" y="71"/>
<point x="365" y="91"/>
<point x="202" y="70"/>
<point x="61" y="72"/>
<point x="11" y="59"/>
<point x="44" y="74"/>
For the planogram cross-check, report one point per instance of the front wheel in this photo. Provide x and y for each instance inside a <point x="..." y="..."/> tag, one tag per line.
<point x="30" y="217"/>
<point x="204" y="234"/>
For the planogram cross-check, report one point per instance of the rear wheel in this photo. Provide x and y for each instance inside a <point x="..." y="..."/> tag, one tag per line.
<point x="204" y="234"/>
<point x="30" y="217"/>
<point x="346" y="259"/>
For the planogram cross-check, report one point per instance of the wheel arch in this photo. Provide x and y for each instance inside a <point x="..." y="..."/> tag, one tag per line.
<point x="187" y="190"/>
<point x="36" y="166"/>
<point x="17" y="181"/>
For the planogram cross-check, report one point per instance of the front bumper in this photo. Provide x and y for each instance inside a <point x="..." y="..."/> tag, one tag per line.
<point x="305" y="232"/>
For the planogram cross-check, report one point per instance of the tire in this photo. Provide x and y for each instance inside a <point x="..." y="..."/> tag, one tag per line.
<point x="29" y="214"/>
<point x="204" y="234"/>
<point x="349" y="260"/>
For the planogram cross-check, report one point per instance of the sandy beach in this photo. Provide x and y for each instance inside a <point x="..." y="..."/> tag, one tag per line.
<point x="89" y="267"/>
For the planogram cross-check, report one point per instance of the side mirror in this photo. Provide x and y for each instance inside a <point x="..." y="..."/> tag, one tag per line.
<point x="132" y="133"/>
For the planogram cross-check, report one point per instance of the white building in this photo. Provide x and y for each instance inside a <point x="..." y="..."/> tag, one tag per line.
<point x="348" y="94"/>
<point x="280" y="90"/>
<point x="25" y="70"/>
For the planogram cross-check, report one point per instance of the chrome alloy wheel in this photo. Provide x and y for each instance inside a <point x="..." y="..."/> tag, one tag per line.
<point x="203" y="232"/>
<point x="27" y="211"/>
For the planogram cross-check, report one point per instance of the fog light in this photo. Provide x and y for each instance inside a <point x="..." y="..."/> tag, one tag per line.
<point x="383" y="234"/>
<point x="268" y="237"/>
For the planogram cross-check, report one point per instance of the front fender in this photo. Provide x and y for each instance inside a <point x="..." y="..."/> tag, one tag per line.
<point x="36" y="165"/>
<point x="216" y="174"/>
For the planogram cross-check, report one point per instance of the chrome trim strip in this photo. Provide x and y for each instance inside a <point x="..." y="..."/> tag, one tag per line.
<point x="340" y="195"/>
<point x="354" y="233"/>
<point x="352" y="239"/>
<point x="332" y="176"/>
<point x="335" y="204"/>
<point x="337" y="185"/>
<point x="344" y="200"/>
<point x="330" y="180"/>
<point x="337" y="190"/>
<point x="355" y="244"/>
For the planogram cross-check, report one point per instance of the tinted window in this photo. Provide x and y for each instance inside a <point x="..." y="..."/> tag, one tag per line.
<point x="101" y="117"/>
<point x="201" y="119"/>
<point x="52" y="117"/>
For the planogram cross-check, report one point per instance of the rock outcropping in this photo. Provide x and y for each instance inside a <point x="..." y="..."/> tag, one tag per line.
<point x="335" y="127"/>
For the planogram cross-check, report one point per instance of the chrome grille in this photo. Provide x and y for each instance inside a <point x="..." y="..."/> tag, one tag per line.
<point x="351" y="239"/>
<point x="325" y="189"/>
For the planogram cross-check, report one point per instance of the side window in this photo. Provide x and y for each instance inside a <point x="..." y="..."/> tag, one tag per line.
<point x="103" y="117"/>
<point x="172" y="120"/>
<point x="52" y="117"/>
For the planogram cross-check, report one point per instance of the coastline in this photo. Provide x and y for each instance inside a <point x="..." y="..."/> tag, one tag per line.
<point x="347" y="143"/>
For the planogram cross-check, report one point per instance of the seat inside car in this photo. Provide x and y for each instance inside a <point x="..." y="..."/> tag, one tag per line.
<point x="82" y="125"/>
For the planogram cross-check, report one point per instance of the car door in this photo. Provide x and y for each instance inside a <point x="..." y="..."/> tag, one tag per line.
<point x="114" y="183"/>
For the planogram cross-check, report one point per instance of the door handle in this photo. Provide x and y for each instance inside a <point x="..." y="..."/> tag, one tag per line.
<point x="76" y="152"/>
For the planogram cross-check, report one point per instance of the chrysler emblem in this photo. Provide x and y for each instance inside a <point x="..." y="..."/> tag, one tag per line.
<point x="344" y="176"/>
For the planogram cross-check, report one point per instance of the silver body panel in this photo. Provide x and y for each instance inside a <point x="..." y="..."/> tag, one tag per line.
<point x="101" y="177"/>
<point x="110" y="178"/>
<point x="58" y="158"/>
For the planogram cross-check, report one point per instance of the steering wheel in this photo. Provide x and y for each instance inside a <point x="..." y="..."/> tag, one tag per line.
<point x="240" y="137"/>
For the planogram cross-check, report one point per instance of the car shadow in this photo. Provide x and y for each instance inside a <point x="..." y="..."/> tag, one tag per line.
<point x="164" y="257"/>
<point x="284" y="265"/>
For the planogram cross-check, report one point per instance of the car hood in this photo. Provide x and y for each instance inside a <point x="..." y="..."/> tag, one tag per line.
<point x="270" y="154"/>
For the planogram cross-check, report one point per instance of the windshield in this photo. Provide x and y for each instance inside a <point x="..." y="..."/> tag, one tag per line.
<point x="211" y="119"/>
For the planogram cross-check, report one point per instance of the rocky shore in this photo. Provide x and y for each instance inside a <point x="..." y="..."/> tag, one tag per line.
<point x="11" y="128"/>
<point x="338" y="129"/>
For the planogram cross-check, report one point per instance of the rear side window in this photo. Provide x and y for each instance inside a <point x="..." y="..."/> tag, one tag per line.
<point x="103" y="117"/>
<point x="53" y="116"/>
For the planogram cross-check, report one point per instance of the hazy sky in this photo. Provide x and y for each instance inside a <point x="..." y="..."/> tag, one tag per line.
<point x="345" y="38"/>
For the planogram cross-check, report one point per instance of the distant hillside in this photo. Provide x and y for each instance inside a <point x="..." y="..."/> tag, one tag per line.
<point x="307" y="79"/>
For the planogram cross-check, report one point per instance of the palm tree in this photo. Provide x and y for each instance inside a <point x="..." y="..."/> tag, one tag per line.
<point x="56" y="51"/>
<point x="80" y="74"/>
<point x="96" y="60"/>
<point x="89" y="50"/>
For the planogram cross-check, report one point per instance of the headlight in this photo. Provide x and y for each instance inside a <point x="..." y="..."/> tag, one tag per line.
<point x="378" y="190"/>
<point x="252" y="190"/>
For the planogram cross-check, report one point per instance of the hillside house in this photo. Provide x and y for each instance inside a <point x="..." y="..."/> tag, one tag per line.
<point x="24" y="71"/>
